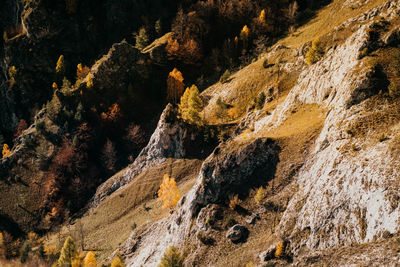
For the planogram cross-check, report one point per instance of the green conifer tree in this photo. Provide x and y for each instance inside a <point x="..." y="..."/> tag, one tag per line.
<point x="158" y="27"/>
<point x="142" y="39"/>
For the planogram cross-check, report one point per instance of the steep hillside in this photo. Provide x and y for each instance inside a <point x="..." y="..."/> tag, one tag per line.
<point x="343" y="192"/>
<point x="290" y="159"/>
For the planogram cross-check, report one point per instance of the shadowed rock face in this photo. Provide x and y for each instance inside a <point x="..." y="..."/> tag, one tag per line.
<point x="236" y="172"/>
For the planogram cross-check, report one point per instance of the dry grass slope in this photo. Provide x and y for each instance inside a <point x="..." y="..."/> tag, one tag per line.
<point x="111" y="223"/>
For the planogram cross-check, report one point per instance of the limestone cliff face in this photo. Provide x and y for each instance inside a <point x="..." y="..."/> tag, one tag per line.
<point x="347" y="189"/>
<point x="347" y="192"/>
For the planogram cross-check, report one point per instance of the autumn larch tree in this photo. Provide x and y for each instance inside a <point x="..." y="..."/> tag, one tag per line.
<point x="81" y="72"/>
<point x="113" y="114"/>
<point x="116" y="262"/>
<point x="60" y="67"/>
<point x="175" y="86"/>
<point x="259" y="195"/>
<point x="168" y="193"/>
<point x="89" y="260"/>
<point x="6" y="151"/>
<point x="191" y="105"/>
<point x="263" y="17"/>
<point x="3" y="248"/>
<point x="171" y="258"/>
<point x="244" y="36"/>
<point x="22" y="125"/>
<point x="69" y="255"/>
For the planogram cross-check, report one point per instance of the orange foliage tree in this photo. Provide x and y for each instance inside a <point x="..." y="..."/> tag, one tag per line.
<point x="6" y="151"/>
<point x="3" y="249"/>
<point x="263" y="17"/>
<point x="168" y="193"/>
<point x="113" y="114"/>
<point x="244" y="36"/>
<point x="81" y="71"/>
<point x="188" y="51"/>
<point x="175" y="85"/>
<point x="89" y="260"/>
<point x="22" y="125"/>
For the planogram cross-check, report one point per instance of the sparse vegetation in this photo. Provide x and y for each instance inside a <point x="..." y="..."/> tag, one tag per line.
<point x="260" y="194"/>
<point x="117" y="262"/>
<point x="234" y="202"/>
<point x="172" y="258"/>
<point x="315" y="52"/>
<point x="225" y="77"/>
<point x="142" y="39"/>
<point x="260" y="100"/>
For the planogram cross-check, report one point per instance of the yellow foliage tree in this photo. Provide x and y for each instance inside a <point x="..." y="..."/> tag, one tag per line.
<point x="279" y="250"/>
<point x="60" y="66"/>
<point x="81" y="71"/>
<point x="259" y="195"/>
<point x="12" y="72"/>
<point x="3" y="249"/>
<point x="191" y="105"/>
<point x="168" y="193"/>
<point x="69" y="255"/>
<point x="263" y="17"/>
<point x="234" y="201"/>
<point x="116" y="262"/>
<point x="171" y="258"/>
<point x="175" y="85"/>
<point x="6" y="151"/>
<point x="89" y="83"/>
<point x="244" y="36"/>
<point x="89" y="260"/>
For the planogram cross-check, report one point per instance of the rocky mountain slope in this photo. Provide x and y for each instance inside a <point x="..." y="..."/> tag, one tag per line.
<point x="319" y="136"/>
<point x="346" y="191"/>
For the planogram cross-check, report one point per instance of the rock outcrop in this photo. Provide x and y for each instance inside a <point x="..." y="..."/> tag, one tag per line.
<point x="225" y="166"/>
<point x="345" y="196"/>
<point x="172" y="138"/>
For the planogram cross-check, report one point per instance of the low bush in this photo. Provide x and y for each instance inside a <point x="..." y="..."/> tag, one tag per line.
<point x="315" y="53"/>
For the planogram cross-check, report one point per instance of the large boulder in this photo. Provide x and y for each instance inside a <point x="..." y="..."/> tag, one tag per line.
<point x="237" y="233"/>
